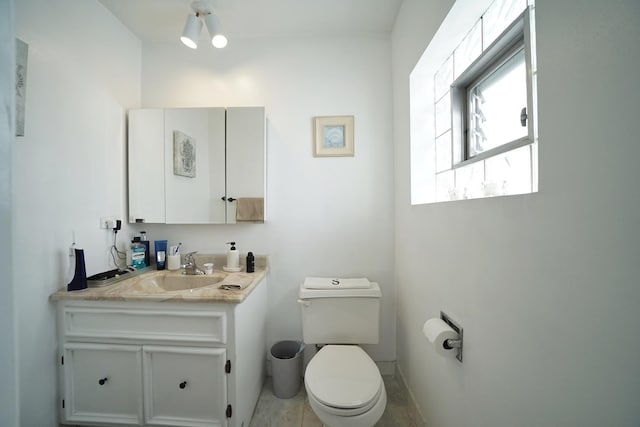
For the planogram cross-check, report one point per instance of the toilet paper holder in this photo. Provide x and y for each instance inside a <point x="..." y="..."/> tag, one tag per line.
<point x="452" y="344"/>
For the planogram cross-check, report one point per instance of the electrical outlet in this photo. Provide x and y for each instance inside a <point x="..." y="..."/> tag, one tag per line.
<point x="108" y="222"/>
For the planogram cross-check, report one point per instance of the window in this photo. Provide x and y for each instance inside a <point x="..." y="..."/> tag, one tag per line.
<point x="497" y="106"/>
<point x="473" y="105"/>
<point x="491" y="99"/>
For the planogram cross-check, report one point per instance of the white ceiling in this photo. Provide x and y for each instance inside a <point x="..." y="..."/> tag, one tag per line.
<point x="163" y="20"/>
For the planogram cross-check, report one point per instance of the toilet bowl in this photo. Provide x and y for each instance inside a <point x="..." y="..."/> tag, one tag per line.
<point x="343" y="384"/>
<point x="344" y="387"/>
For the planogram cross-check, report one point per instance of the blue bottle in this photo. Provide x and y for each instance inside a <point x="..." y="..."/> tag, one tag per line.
<point x="138" y="254"/>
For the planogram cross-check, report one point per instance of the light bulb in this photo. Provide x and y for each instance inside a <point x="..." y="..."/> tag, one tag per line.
<point x="191" y="31"/>
<point x="219" y="41"/>
<point x="213" y="26"/>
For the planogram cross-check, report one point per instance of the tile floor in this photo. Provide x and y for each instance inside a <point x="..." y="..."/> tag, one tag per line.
<point x="296" y="412"/>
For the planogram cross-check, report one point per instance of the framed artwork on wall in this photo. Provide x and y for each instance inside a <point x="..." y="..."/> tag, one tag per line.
<point x="333" y="136"/>
<point x="184" y="154"/>
<point x="22" y="50"/>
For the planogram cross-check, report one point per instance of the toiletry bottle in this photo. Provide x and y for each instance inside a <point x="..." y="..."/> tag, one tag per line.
<point x="79" y="279"/>
<point x="72" y="262"/>
<point x="137" y="253"/>
<point x="251" y="263"/>
<point x="233" y="258"/>
<point x="147" y="252"/>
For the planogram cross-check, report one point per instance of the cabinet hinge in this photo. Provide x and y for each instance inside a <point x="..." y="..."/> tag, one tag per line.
<point x="227" y="367"/>
<point x="62" y="403"/>
<point x="229" y="411"/>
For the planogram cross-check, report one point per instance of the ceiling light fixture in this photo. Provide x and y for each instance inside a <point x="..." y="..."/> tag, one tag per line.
<point x="191" y="31"/>
<point x="193" y="26"/>
<point x="213" y="26"/>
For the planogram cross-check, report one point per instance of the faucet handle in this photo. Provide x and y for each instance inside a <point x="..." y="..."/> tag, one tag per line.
<point x="189" y="256"/>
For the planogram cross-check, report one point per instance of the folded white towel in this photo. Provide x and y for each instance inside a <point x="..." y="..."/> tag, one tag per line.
<point x="336" y="283"/>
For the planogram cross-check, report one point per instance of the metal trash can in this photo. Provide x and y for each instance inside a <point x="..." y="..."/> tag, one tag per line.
<point x="286" y="367"/>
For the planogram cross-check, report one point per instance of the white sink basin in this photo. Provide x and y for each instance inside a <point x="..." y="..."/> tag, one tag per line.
<point x="169" y="283"/>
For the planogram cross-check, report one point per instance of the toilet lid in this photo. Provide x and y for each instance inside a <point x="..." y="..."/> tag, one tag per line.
<point x="343" y="376"/>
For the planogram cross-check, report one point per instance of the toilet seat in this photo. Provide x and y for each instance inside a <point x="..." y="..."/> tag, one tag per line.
<point x="344" y="380"/>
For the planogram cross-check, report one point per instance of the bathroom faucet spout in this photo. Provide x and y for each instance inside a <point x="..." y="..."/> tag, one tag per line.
<point x="189" y="266"/>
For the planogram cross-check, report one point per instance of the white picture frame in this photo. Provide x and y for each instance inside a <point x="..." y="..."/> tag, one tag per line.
<point x="333" y="136"/>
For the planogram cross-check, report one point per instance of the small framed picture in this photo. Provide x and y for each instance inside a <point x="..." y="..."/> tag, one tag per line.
<point x="333" y="136"/>
<point x="184" y="155"/>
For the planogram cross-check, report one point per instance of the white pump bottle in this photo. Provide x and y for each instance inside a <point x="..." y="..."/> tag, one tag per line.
<point x="233" y="258"/>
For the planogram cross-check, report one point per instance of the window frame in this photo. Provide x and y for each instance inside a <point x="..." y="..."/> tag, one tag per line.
<point x="515" y="37"/>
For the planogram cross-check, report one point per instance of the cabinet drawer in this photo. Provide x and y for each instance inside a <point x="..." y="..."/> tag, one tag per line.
<point x="199" y="326"/>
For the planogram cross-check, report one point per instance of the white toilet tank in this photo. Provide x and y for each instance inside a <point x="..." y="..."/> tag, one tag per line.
<point x="340" y="316"/>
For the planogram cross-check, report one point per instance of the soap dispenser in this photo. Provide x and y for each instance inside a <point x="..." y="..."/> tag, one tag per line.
<point x="233" y="258"/>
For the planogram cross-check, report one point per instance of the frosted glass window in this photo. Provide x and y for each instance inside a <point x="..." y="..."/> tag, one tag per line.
<point x="443" y="152"/>
<point x="482" y="141"/>
<point x="508" y="173"/>
<point x="443" y="115"/>
<point x="468" y="50"/>
<point x="534" y="167"/>
<point x="496" y="104"/>
<point x="445" y="188"/>
<point x="499" y="16"/>
<point x="469" y="180"/>
<point x="444" y="78"/>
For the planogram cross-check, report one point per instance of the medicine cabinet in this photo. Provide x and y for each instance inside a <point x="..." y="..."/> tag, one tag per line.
<point x="190" y="165"/>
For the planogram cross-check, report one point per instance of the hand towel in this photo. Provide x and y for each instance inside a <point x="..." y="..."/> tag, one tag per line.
<point x="236" y="281"/>
<point x="250" y="209"/>
<point x="336" y="283"/>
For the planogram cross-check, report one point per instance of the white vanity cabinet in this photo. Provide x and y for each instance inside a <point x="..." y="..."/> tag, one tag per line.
<point x="166" y="363"/>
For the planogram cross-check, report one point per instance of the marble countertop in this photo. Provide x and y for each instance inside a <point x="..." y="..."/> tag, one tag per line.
<point x="145" y="286"/>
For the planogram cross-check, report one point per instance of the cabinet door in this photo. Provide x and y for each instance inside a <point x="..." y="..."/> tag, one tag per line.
<point x="185" y="386"/>
<point x="102" y="384"/>
<point x="146" y="166"/>
<point x="194" y="165"/>
<point x="245" y="155"/>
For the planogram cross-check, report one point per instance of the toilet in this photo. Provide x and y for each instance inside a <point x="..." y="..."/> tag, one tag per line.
<point x="343" y="384"/>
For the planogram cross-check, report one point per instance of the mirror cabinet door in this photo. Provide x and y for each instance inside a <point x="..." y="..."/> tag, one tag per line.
<point x="186" y="164"/>
<point x="146" y="166"/>
<point x="245" y="155"/>
<point x="194" y="141"/>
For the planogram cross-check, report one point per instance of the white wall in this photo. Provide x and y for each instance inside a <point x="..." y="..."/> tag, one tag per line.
<point x="83" y="74"/>
<point x="545" y="285"/>
<point x="8" y="322"/>
<point x="325" y="216"/>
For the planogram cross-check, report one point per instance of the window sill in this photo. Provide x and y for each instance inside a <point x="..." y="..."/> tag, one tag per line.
<point x="495" y="152"/>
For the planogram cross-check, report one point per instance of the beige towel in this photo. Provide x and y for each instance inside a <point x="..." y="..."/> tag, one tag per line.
<point x="250" y="209"/>
<point x="237" y="281"/>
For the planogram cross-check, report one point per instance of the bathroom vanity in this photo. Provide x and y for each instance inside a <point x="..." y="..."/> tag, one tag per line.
<point x="161" y="349"/>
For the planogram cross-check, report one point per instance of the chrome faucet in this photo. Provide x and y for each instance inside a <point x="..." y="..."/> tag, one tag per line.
<point x="190" y="267"/>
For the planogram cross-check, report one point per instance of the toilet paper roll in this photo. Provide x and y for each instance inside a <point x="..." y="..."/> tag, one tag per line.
<point x="437" y="331"/>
